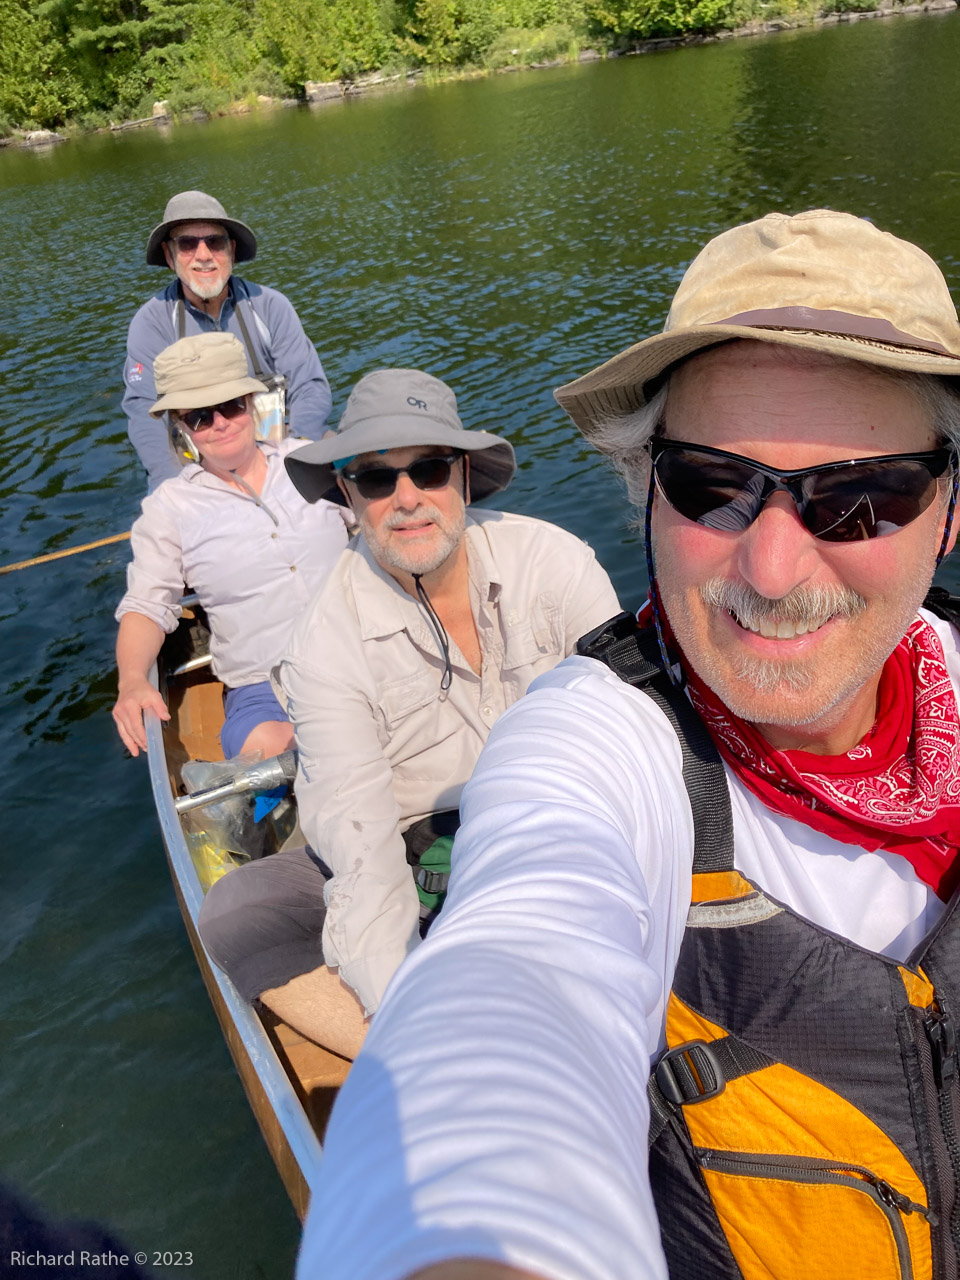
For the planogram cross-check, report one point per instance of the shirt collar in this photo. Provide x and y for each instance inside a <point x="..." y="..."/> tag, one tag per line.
<point x="384" y="608"/>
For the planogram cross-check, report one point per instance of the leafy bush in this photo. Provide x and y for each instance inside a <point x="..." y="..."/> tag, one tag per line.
<point x="37" y="87"/>
<point x="644" y="19"/>
<point x="850" y="6"/>
<point x="519" y="47"/>
<point x="322" y="39"/>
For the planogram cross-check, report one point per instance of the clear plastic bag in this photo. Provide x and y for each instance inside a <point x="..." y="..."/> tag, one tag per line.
<point x="209" y="860"/>
<point x="238" y="828"/>
<point x="270" y="410"/>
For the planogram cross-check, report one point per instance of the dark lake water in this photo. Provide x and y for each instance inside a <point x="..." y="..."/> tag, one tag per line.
<point x="503" y="234"/>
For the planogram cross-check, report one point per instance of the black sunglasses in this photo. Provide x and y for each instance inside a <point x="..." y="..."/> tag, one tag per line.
<point x="838" y="501"/>
<point x="425" y="473"/>
<point x="216" y="243"/>
<point x="200" y="419"/>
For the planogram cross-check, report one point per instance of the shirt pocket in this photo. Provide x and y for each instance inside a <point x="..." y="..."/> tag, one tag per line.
<point x="424" y="740"/>
<point x="400" y="699"/>
<point x="537" y="640"/>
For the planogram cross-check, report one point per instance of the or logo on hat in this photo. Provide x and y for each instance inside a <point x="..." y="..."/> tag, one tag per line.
<point x="415" y="403"/>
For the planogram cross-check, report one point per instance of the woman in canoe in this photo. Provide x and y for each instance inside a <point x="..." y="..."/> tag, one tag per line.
<point x="232" y="525"/>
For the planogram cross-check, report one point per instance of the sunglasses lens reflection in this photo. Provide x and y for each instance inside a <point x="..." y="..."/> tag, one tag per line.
<point x="868" y="499"/>
<point x="200" y="419"/>
<point x="190" y="244"/>
<point x="380" y="482"/>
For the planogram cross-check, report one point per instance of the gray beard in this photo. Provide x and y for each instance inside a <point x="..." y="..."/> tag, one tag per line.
<point x="811" y="605"/>
<point x="208" y="289"/>
<point x="411" y="560"/>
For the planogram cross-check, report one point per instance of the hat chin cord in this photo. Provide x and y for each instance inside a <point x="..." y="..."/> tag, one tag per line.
<point x="951" y="509"/>
<point x="439" y="630"/>
<point x="676" y="679"/>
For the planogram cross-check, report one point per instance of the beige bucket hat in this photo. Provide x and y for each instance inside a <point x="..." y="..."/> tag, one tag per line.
<point x="197" y="206"/>
<point x="821" y="281"/>
<point x="395" y="409"/>
<point x="200" y="371"/>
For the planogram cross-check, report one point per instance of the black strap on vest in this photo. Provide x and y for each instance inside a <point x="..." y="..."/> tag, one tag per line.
<point x="632" y="654"/>
<point x="943" y="604"/>
<point x="694" y="1072"/>
<point x="259" y="372"/>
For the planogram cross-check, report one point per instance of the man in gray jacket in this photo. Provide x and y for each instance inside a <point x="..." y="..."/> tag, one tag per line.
<point x="200" y="243"/>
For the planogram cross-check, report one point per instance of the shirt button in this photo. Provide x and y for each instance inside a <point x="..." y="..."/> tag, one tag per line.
<point x="485" y="711"/>
<point x="293" y="568"/>
<point x="273" y="535"/>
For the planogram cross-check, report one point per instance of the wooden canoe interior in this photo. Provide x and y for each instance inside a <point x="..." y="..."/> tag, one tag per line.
<point x="195" y="701"/>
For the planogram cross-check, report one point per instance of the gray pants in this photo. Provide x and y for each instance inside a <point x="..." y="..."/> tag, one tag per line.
<point x="262" y="923"/>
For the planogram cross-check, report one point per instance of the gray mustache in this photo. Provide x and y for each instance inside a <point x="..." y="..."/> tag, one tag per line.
<point x="812" y="605"/>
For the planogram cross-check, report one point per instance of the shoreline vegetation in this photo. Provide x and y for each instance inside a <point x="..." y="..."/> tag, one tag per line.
<point x="73" y="67"/>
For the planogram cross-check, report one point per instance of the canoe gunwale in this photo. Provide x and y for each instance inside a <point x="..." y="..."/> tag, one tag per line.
<point x="279" y="1092"/>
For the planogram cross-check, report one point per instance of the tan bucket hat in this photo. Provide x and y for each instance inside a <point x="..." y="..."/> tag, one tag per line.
<point x="394" y="409"/>
<point x="197" y="206"/>
<point x="200" y="371"/>
<point x="820" y="280"/>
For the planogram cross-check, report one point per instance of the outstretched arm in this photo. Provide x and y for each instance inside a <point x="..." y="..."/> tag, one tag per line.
<point x="498" y="1110"/>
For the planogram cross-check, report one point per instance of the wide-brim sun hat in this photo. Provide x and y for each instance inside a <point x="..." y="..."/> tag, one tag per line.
<point x="203" y="370"/>
<point x="819" y="281"/>
<point x="398" y="409"/>
<point x="197" y="206"/>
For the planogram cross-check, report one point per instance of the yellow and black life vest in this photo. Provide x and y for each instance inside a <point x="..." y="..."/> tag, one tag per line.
<point x="805" y="1116"/>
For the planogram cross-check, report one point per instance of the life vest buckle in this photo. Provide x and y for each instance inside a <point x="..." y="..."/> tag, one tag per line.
<point x="432" y="881"/>
<point x="690" y="1073"/>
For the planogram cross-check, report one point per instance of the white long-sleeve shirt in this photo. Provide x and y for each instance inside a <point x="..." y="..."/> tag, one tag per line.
<point x="498" y="1108"/>
<point x="254" y="566"/>
<point x="381" y="746"/>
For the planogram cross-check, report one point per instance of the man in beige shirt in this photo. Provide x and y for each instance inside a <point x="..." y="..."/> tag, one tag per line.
<point x="432" y="623"/>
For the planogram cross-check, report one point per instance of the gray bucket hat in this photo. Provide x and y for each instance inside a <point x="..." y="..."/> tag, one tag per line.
<point x="394" y="409"/>
<point x="202" y="370"/>
<point x="197" y="206"/>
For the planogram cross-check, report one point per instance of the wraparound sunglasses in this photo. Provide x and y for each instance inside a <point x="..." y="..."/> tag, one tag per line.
<point x="200" y="419"/>
<point x="837" y="501"/>
<point x="425" y="473"/>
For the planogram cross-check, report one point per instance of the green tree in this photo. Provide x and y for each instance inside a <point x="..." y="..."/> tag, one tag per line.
<point x="218" y="62"/>
<point x="321" y="39"/>
<point x="36" y="85"/>
<point x="119" y="48"/>
<point x="432" y="34"/>
<point x="641" y="19"/>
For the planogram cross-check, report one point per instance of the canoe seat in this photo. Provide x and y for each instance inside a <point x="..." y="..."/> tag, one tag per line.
<point x="315" y="1073"/>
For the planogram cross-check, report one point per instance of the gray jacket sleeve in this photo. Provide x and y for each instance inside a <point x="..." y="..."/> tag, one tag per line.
<point x="295" y="356"/>
<point x="149" y="333"/>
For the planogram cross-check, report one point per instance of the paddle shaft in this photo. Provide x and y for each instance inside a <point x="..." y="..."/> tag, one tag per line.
<point x="59" y="555"/>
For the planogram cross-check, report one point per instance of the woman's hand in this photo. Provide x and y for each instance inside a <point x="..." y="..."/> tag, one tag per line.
<point x="135" y="696"/>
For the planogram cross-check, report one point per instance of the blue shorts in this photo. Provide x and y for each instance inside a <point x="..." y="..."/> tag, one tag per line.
<point x="244" y="709"/>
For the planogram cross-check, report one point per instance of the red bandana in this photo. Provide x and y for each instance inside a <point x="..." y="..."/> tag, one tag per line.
<point x="898" y="789"/>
